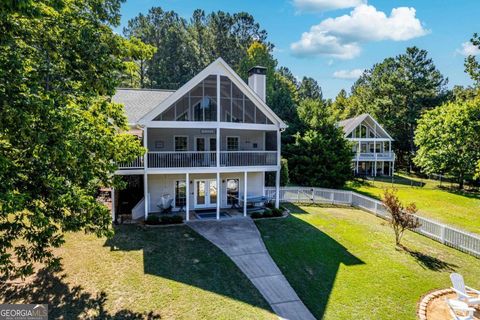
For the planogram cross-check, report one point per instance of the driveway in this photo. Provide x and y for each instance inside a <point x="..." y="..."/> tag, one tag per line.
<point x="241" y="241"/>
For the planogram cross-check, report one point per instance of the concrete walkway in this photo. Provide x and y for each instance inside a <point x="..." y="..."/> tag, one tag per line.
<point x="241" y="241"/>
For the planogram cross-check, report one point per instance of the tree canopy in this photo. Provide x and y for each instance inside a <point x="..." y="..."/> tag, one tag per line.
<point x="184" y="47"/>
<point x="448" y="140"/>
<point x="319" y="156"/>
<point x="59" y="132"/>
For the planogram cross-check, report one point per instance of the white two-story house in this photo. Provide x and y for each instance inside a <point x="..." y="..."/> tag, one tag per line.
<point x="372" y="146"/>
<point x="210" y="144"/>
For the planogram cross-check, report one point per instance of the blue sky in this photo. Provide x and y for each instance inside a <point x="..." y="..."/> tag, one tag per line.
<point x="348" y="35"/>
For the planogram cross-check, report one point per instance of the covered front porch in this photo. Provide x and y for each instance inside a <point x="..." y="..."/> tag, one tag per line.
<point x="197" y="196"/>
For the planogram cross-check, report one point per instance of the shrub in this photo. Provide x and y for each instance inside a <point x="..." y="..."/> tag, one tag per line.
<point x="270" y="204"/>
<point x="152" y="219"/>
<point x="277" y="212"/>
<point x="267" y="213"/>
<point x="256" y="215"/>
<point x="175" y="219"/>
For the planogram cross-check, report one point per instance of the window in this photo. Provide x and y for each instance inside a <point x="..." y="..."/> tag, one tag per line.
<point x="363" y="131"/>
<point x="236" y="106"/>
<point x="200" y="104"/>
<point x="180" y="193"/>
<point x="181" y="143"/>
<point x="233" y="143"/>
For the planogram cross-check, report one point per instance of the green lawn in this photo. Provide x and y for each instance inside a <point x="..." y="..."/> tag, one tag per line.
<point x="461" y="209"/>
<point x="343" y="263"/>
<point x="171" y="273"/>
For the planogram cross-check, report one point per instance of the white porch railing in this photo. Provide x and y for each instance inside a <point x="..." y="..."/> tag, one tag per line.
<point x="135" y="164"/>
<point x="450" y="236"/>
<point x="181" y="159"/>
<point x="248" y="158"/>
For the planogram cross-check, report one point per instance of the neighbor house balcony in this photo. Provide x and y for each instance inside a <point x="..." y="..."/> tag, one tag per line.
<point x="374" y="156"/>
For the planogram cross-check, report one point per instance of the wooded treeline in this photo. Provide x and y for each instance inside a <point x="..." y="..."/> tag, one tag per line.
<point x="396" y="91"/>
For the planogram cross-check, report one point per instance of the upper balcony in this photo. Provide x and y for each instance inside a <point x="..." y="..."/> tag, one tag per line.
<point x="197" y="148"/>
<point x="369" y="156"/>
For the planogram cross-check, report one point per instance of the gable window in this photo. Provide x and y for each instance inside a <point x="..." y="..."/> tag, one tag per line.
<point x="236" y="106"/>
<point x="233" y="143"/>
<point x="181" y="143"/>
<point x="199" y="104"/>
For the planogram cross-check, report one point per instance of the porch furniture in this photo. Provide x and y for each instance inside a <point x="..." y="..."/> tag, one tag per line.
<point x="253" y="202"/>
<point x="461" y="290"/>
<point x="460" y="310"/>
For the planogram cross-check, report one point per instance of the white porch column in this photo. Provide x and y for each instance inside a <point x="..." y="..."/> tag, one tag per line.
<point x="219" y="105"/>
<point x="218" y="195"/>
<point x="218" y="147"/>
<point x="375" y="154"/>
<point x="145" y="194"/>
<point x="145" y="175"/>
<point x="112" y="198"/>
<point x="393" y="168"/>
<point x="187" y="191"/>
<point x="245" y="192"/>
<point x="277" y="188"/>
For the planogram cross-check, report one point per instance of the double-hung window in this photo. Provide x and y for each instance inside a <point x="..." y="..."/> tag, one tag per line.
<point x="233" y="143"/>
<point x="181" y="143"/>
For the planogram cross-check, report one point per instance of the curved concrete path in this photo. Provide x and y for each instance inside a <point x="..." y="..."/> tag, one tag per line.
<point x="241" y="241"/>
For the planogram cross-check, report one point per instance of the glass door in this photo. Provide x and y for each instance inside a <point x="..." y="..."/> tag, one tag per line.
<point x="206" y="193"/>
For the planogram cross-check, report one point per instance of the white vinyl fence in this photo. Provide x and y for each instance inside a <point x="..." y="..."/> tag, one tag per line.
<point x="452" y="237"/>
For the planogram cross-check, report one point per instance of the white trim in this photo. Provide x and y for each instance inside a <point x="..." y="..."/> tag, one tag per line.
<point x="211" y="125"/>
<point x="175" y="145"/>
<point x="210" y="169"/>
<point x="226" y="143"/>
<point x="218" y="67"/>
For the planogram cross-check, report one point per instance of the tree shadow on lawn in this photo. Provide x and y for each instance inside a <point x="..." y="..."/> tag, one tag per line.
<point x="309" y="258"/>
<point x="429" y="262"/>
<point x="180" y="254"/>
<point x="64" y="301"/>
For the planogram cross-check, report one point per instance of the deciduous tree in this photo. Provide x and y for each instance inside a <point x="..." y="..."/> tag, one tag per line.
<point x="59" y="132"/>
<point x="402" y="218"/>
<point x="448" y="140"/>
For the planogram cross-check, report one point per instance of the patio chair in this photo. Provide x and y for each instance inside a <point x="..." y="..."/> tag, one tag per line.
<point x="460" y="310"/>
<point x="461" y="290"/>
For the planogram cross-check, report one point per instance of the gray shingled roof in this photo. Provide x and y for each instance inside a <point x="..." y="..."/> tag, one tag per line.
<point x="138" y="102"/>
<point x="350" y="124"/>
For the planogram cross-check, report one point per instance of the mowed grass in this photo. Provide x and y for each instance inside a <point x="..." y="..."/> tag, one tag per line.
<point x="167" y="273"/>
<point x="343" y="263"/>
<point x="447" y="205"/>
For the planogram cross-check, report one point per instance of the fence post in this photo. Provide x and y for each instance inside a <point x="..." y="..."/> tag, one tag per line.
<point x="298" y="195"/>
<point x="313" y="195"/>
<point x="350" y="198"/>
<point x="332" y="197"/>
<point x="376" y="208"/>
<point x="442" y="233"/>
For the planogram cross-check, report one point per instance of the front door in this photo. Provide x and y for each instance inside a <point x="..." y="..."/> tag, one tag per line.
<point x="206" y="193"/>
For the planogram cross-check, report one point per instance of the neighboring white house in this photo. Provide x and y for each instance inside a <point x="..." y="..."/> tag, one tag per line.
<point x="372" y="146"/>
<point x="209" y="143"/>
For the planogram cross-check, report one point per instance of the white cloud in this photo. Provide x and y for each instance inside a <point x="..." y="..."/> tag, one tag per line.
<point x="348" y="74"/>
<point x="325" y="5"/>
<point x="341" y="37"/>
<point x="469" y="49"/>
